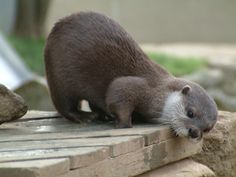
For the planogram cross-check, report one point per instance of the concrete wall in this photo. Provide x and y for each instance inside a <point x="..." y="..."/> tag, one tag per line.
<point x="210" y="21"/>
<point x="7" y="15"/>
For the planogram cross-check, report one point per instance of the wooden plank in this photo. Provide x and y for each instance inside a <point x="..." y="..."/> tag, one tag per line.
<point x="32" y="123"/>
<point x="79" y="157"/>
<point x="140" y="161"/>
<point x="94" y="149"/>
<point x="151" y="133"/>
<point x="35" y="168"/>
<point x="41" y="122"/>
<point x="33" y="114"/>
<point x="37" y="125"/>
<point x="118" y="145"/>
<point x="11" y="129"/>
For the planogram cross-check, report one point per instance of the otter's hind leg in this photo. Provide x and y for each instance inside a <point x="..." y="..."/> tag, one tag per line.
<point x="70" y="108"/>
<point x="102" y="116"/>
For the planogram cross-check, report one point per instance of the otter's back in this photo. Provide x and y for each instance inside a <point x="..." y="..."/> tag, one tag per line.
<point x="86" y="51"/>
<point x="91" y="49"/>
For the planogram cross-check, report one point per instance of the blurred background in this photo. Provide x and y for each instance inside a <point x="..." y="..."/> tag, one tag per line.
<point x="194" y="39"/>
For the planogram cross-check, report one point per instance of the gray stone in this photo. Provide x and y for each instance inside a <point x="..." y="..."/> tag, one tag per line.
<point x="12" y="106"/>
<point x="214" y="77"/>
<point x="219" y="146"/>
<point x="183" y="168"/>
<point x="35" y="93"/>
<point x="223" y="100"/>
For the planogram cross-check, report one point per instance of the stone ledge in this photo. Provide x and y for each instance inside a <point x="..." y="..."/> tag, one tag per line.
<point x="183" y="168"/>
<point x="219" y="146"/>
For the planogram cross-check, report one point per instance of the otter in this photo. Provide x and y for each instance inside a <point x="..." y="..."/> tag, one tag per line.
<point x="89" y="56"/>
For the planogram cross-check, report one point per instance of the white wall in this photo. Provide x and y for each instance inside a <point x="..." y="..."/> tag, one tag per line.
<point x="7" y="15"/>
<point x="210" y="21"/>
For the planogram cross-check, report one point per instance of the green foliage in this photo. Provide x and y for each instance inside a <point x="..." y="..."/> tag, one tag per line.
<point x="178" y="65"/>
<point x="31" y="51"/>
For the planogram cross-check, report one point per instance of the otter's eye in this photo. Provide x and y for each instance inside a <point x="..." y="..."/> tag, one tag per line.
<point x="190" y="114"/>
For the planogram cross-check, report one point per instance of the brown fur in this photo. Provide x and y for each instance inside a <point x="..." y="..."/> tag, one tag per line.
<point x="90" y="57"/>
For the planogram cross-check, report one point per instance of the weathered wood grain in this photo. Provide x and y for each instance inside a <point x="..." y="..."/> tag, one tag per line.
<point x="151" y="133"/>
<point x="86" y="150"/>
<point x="118" y="145"/>
<point x="12" y="129"/>
<point x="135" y="163"/>
<point x="33" y="114"/>
<point x="79" y="157"/>
<point x="35" y="168"/>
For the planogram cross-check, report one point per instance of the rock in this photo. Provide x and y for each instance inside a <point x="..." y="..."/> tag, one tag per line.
<point x="223" y="100"/>
<point x="214" y="77"/>
<point x="12" y="106"/>
<point x="36" y="95"/>
<point x="219" y="146"/>
<point x="225" y="63"/>
<point x="183" y="168"/>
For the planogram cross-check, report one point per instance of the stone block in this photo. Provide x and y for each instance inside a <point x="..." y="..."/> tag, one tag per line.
<point x="219" y="146"/>
<point x="12" y="106"/>
<point x="183" y="168"/>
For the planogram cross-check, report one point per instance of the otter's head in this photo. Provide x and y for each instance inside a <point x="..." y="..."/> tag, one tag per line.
<point x="12" y="106"/>
<point x="190" y="111"/>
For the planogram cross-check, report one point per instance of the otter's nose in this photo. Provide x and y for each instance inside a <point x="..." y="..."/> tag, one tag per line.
<point x="194" y="133"/>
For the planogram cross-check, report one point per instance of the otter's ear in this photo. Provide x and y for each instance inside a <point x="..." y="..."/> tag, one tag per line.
<point x="185" y="89"/>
